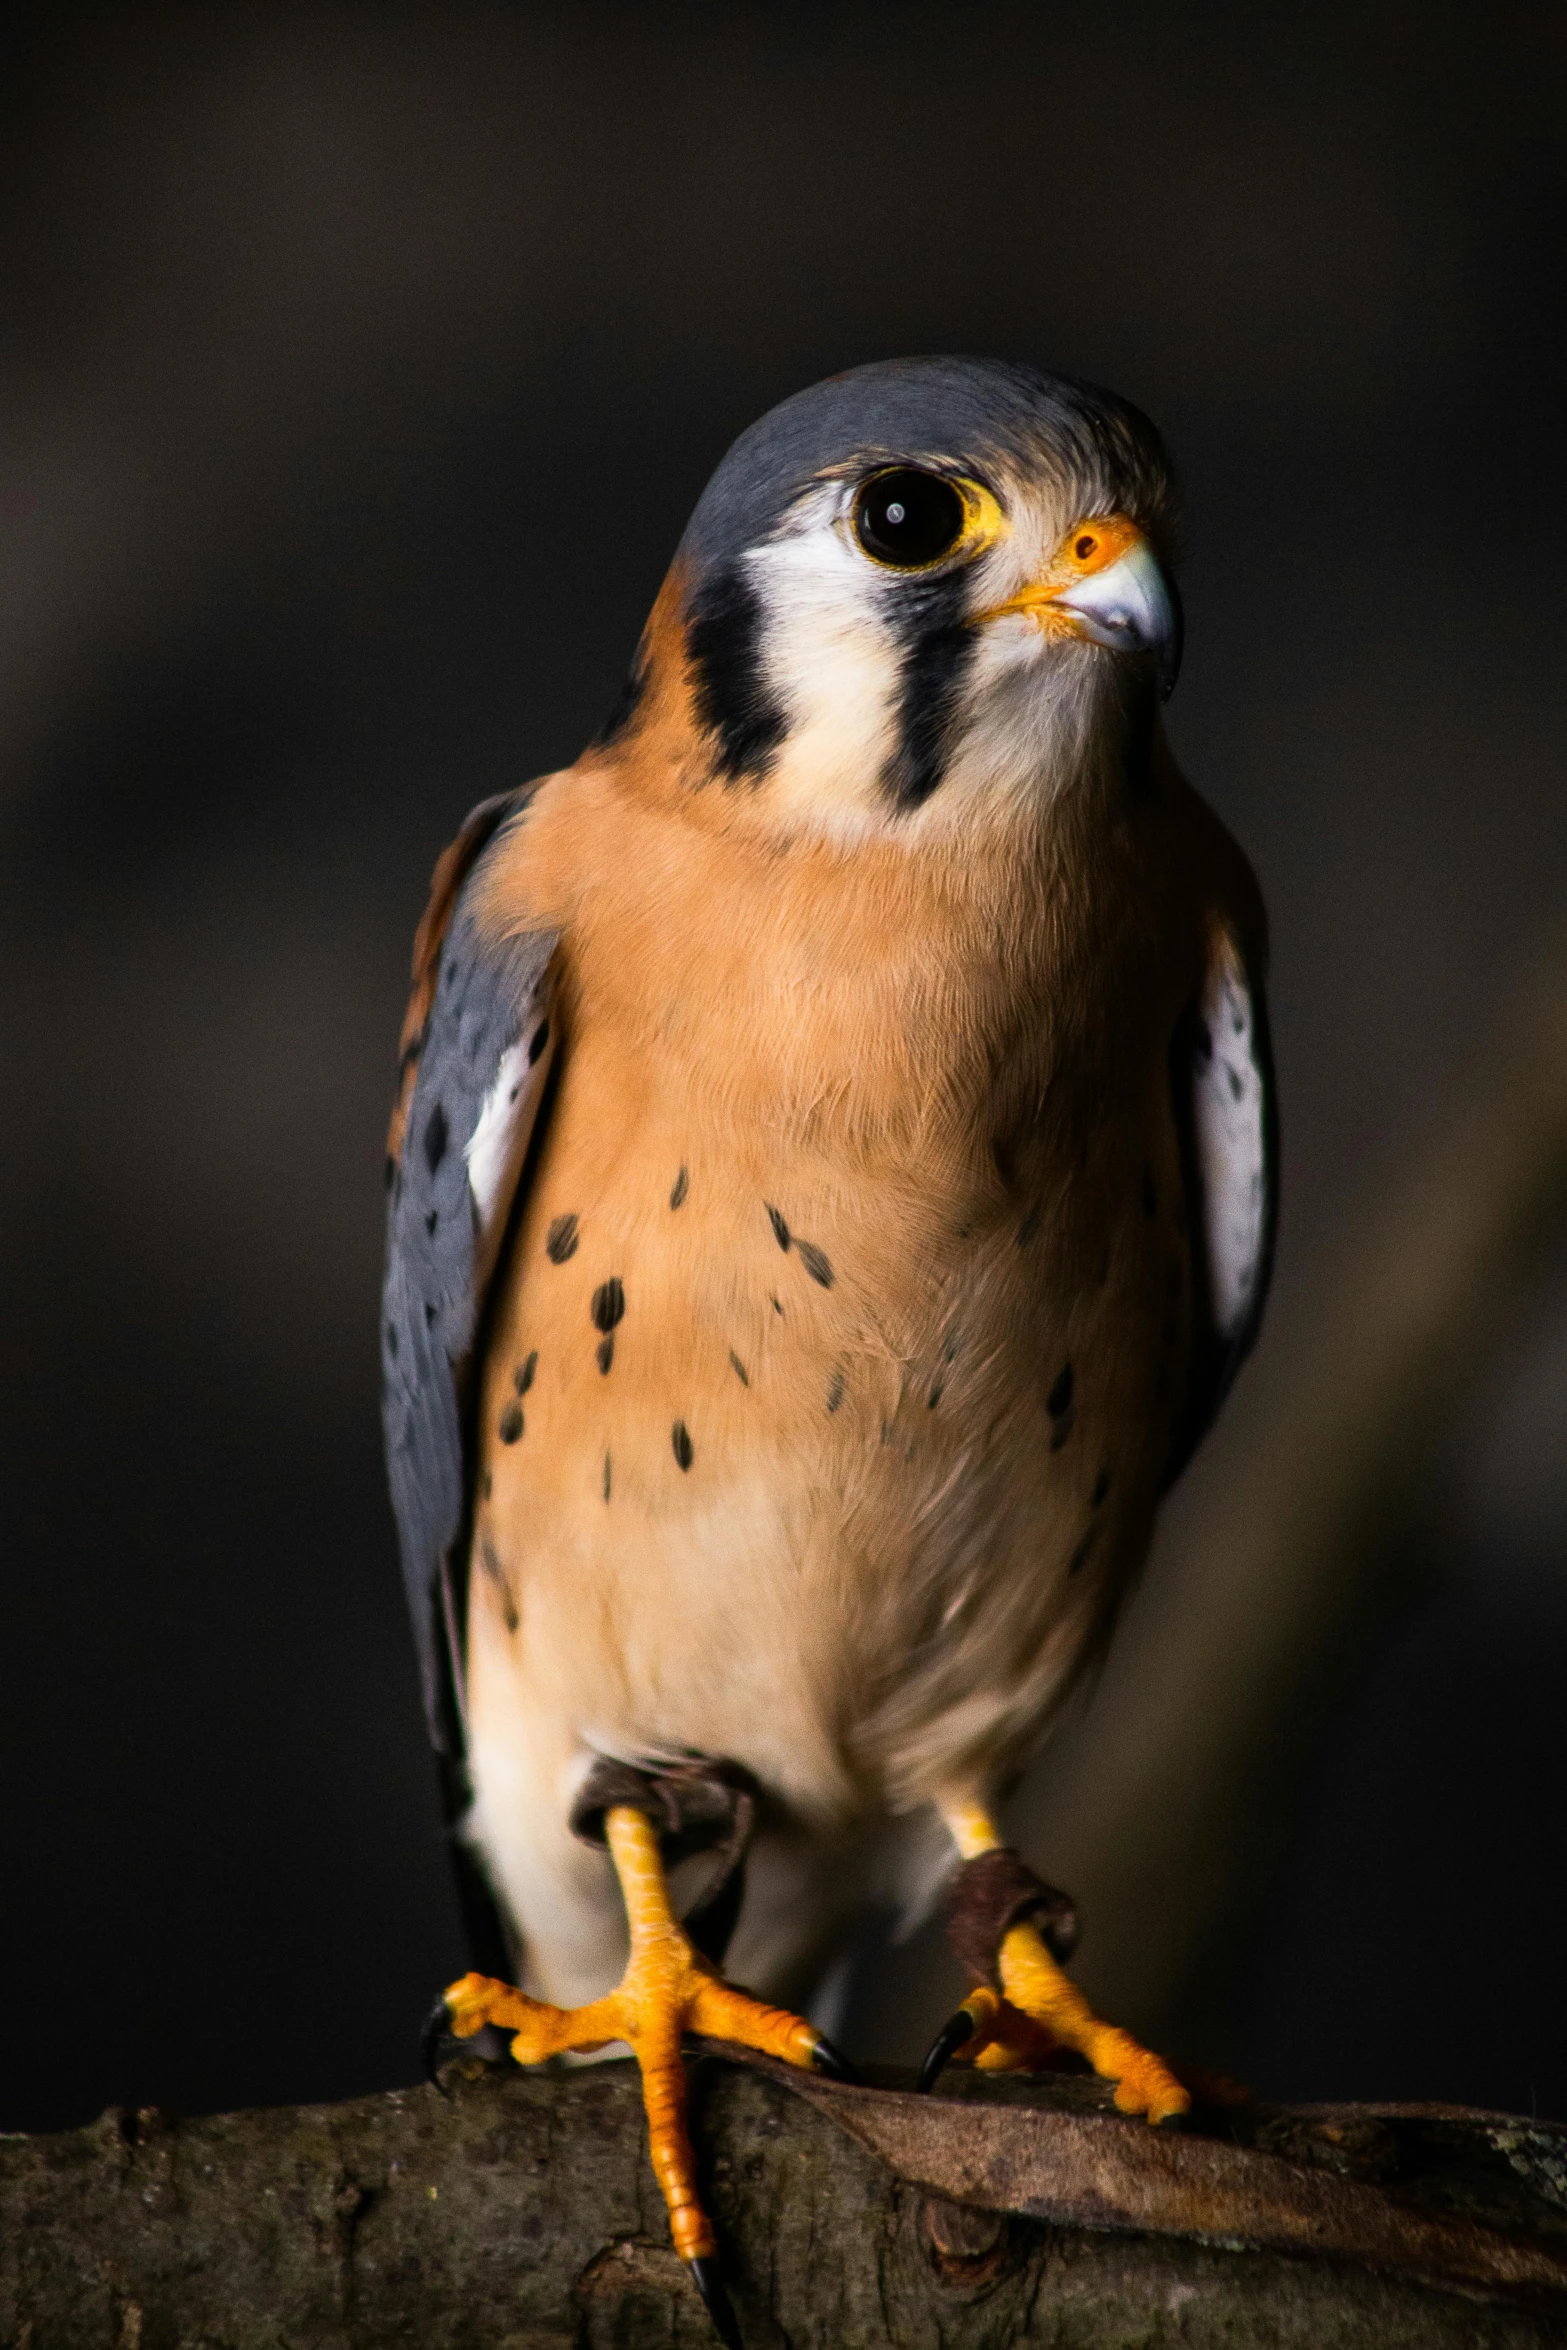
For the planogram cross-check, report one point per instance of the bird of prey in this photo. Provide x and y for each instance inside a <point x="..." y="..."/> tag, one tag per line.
<point x="832" y="1188"/>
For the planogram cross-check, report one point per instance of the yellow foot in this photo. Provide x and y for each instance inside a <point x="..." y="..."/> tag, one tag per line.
<point x="667" y="1989"/>
<point x="1042" y="2013"/>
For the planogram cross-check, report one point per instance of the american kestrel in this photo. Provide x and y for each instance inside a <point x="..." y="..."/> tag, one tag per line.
<point x="832" y="1189"/>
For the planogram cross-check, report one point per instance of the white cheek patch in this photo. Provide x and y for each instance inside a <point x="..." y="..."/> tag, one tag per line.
<point x="832" y="664"/>
<point x="1229" y="1130"/>
<point x="499" y="1142"/>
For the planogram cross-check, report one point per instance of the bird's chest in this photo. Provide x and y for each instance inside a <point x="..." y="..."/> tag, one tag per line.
<point x="798" y="1379"/>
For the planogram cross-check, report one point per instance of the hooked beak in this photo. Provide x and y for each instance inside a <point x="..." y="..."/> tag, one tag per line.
<point x="1106" y="583"/>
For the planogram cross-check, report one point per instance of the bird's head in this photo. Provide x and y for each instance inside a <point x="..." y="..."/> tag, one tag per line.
<point x="917" y="592"/>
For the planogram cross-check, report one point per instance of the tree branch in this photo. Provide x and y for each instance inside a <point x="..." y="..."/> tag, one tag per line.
<point x="521" y="2214"/>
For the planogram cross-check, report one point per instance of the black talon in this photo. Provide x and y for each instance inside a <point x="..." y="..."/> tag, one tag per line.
<point x="708" y="2280"/>
<point x="437" y="2024"/>
<point x="943" y="2049"/>
<point x="831" y="2061"/>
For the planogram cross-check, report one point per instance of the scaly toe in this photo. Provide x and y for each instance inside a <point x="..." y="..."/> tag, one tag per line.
<point x="1148" y="2087"/>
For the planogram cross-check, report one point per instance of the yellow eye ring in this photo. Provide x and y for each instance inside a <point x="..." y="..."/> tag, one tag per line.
<point x="911" y="519"/>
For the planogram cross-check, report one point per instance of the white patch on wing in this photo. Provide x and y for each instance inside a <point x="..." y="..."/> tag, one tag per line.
<point x="1229" y="1126"/>
<point x="499" y="1141"/>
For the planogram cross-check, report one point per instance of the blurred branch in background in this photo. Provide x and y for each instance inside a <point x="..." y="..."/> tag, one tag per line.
<point x="1286" y="1537"/>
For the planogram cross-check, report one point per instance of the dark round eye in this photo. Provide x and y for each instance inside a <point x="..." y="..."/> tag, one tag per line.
<point x="908" y="518"/>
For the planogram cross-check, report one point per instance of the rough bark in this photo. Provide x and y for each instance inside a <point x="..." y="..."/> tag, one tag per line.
<point x="521" y="2214"/>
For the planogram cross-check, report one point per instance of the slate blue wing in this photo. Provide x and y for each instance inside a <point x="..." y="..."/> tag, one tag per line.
<point x="479" y="1045"/>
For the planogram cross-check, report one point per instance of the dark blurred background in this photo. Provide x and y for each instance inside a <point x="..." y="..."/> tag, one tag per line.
<point x="358" y="368"/>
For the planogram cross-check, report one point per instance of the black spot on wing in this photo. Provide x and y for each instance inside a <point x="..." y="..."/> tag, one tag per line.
<point x="739" y="1369"/>
<point x="560" y="1242"/>
<point x="777" y="1308"/>
<point x="510" y="1426"/>
<point x="680" y="1438"/>
<point x="677" y="1196"/>
<point x="937" y="1390"/>
<point x="780" y="1228"/>
<point x="536" y="1043"/>
<point x="391" y="1340"/>
<point x="522" y="1377"/>
<point x="436" y="1137"/>
<point x="835" y="1391"/>
<point x="431" y="1221"/>
<point x="609" y="1304"/>
<point x="606" y="1351"/>
<point x="815" y="1261"/>
<point x="607" y="1476"/>
<point x="939" y="647"/>
<point x="734" y="704"/>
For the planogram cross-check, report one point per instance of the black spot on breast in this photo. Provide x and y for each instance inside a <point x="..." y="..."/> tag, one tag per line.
<point x="606" y="1351"/>
<point x="835" y="1391"/>
<point x="510" y="1426"/>
<point x="939" y="646"/>
<point x="560" y="1242"/>
<point x="780" y="1228"/>
<point x="1059" y="1404"/>
<point x="677" y="1196"/>
<point x="489" y="1560"/>
<point x="1101" y="1488"/>
<point x="606" y="1476"/>
<point x="391" y="1340"/>
<point x="522" y="1377"/>
<point x="734" y="704"/>
<point x="685" y="1450"/>
<point x="738" y="1368"/>
<point x="429" y="1314"/>
<point x="1150" y="1194"/>
<point x="777" y="1308"/>
<point x="609" y="1303"/>
<point x="431" y="1220"/>
<point x="815" y="1261"/>
<point x="1028" y="1230"/>
<point x="1237" y="1082"/>
<point x="536" y="1043"/>
<point x="436" y="1137"/>
<point x="1075" y="1562"/>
